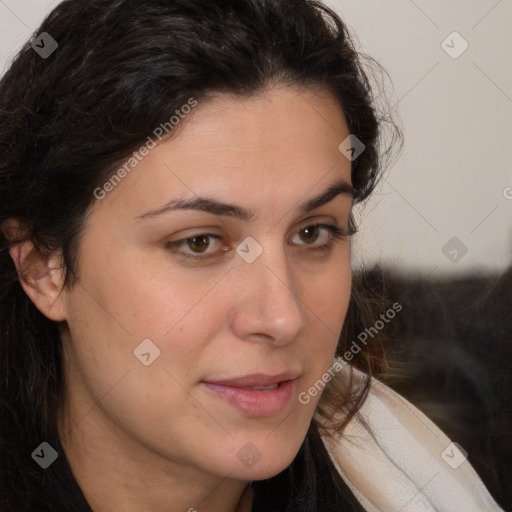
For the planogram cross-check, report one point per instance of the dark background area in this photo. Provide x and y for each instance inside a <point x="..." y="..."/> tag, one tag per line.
<point x="450" y="354"/>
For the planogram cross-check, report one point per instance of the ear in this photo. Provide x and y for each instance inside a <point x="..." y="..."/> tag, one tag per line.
<point x="41" y="276"/>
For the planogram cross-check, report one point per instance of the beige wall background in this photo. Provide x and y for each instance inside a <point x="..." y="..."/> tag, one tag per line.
<point x="445" y="207"/>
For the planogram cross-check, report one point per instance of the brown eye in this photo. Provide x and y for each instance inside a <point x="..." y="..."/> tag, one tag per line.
<point x="320" y="236"/>
<point x="199" y="247"/>
<point x="198" y="244"/>
<point x="309" y="234"/>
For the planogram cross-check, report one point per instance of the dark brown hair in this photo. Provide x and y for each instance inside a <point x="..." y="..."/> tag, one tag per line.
<point x="122" y="68"/>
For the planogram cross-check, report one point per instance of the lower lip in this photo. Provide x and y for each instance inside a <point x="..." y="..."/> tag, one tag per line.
<point x="256" y="402"/>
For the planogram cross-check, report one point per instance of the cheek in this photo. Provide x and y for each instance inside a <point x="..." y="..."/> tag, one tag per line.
<point x="114" y="308"/>
<point x="327" y="294"/>
<point x="141" y="300"/>
<point x="152" y="403"/>
<point x="325" y="297"/>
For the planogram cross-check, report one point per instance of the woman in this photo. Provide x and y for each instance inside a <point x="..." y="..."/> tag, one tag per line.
<point x="176" y="182"/>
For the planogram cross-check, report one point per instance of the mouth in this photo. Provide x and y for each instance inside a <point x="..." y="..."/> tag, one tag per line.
<point x="256" y="395"/>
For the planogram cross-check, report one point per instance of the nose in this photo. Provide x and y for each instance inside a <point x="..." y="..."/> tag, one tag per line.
<point x="267" y="306"/>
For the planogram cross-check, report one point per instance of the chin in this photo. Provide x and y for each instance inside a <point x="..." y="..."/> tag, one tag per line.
<point x="261" y="460"/>
<point x="266" y="471"/>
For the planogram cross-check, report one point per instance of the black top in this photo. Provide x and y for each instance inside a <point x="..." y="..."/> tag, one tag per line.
<point x="310" y="484"/>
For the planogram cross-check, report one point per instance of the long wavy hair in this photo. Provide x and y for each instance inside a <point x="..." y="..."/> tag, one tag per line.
<point x="68" y="121"/>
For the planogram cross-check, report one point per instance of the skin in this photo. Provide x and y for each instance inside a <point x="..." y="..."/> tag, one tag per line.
<point x="220" y="318"/>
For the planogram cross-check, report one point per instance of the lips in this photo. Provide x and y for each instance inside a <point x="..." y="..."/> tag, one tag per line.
<point x="256" y="395"/>
<point x="256" y="380"/>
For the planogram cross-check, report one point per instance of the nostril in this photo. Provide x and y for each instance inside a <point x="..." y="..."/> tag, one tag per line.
<point x="262" y="336"/>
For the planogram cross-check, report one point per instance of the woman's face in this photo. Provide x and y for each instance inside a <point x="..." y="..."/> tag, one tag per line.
<point x="202" y="277"/>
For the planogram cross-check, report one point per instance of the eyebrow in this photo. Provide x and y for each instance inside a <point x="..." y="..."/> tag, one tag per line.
<point x="215" y="207"/>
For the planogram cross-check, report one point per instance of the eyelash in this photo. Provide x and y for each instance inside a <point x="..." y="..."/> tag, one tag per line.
<point x="336" y="235"/>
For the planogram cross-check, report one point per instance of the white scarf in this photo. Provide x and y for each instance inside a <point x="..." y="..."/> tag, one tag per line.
<point x="406" y="464"/>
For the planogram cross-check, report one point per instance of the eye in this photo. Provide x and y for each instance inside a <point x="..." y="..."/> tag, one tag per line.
<point x="199" y="243"/>
<point x="310" y="234"/>
<point x="321" y="236"/>
<point x="196" y="246"/>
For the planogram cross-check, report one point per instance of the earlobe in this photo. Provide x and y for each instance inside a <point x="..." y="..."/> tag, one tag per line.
<point x="41" y="276"/>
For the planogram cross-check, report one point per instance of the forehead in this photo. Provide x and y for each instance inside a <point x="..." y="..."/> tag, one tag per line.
<point x="280" y="120"/>
<point x="277" y="141"/>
